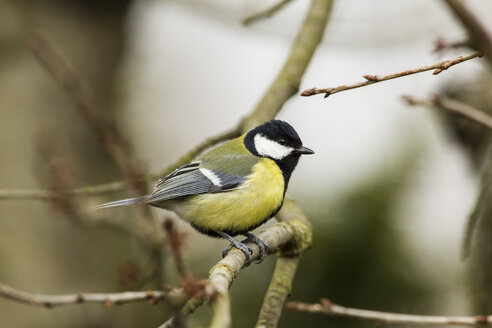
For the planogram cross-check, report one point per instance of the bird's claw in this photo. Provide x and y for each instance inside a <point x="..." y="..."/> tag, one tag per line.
<point x="264" y="248"/>
<point x="247" y="251"/>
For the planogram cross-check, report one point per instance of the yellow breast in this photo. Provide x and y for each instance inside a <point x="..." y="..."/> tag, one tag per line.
<point x="243" y="208"/>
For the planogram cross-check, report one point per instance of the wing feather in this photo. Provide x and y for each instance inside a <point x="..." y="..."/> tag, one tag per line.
<point x="192" y="179"/>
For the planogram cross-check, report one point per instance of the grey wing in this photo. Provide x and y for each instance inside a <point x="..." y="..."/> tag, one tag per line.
<point x="191" y="179"/>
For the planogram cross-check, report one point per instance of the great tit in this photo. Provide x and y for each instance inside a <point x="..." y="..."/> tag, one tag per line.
<point x="233" y="188"/>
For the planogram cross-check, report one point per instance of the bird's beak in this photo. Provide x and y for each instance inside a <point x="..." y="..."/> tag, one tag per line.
<point x="304" y="151"/>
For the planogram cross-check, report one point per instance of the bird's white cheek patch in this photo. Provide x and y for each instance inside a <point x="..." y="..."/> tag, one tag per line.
<point x="270" y="148"/>
<point x="211" y="176"/>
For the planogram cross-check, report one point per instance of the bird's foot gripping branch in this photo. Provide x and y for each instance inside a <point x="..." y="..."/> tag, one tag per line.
<point x="291" y="237"/>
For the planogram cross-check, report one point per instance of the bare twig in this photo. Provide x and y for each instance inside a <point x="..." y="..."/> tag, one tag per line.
<point x="265" y="13"/>
<point x="329" y="308"/>
<point x="371" y="79"/>
<point x="441" y="45"/>
<point x="479" y="37"/>
<point x="453" y="106"/>
<point x="107" y="299"/>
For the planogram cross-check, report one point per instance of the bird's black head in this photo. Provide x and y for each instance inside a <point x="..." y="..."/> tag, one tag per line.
<point x="278" y="141"/>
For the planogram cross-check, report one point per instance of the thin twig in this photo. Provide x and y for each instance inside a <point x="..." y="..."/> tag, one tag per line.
<point x="329" y="308"/>
<point x="107" y="299"/>
<point x="371" y="79"/>
<point x="453" y="106"/>
<point x="441" y="45"/>
<point x="264" y="13"/>
<point x="479" y="37"/>
<point x="40" y="194"/>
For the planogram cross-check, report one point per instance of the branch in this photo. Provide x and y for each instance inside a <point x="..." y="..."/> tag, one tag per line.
<point x="292" y="236"/>
<point x="287" y="82"/>
<point x="107" y="299"/>
<point x="40" y="194"/>
<point x="329" y="308"/>
<point x="453" y="106"/>
<point x="371" y="79"/>
<point x="88" y="106"/>
<point x="285" y="86"/>
<point x="441" y="45"/>
<point x="277" y="292"/>
<point x="479" y="37"/>
<point x="265" y="13"/>
<point x="43" y="194"/>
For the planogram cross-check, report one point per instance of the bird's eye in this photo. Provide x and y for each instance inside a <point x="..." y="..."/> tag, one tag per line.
<point x="282" y="141"/>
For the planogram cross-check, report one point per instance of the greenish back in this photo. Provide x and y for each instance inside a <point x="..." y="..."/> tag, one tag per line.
<point x="232" y="158"/>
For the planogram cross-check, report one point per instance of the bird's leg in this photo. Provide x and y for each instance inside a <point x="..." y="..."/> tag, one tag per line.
<point x="261" y="245"/>
<point x="247" y="251"/>
<point x="253" y="239"/>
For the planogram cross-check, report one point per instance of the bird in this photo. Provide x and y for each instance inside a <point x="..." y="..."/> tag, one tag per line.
<point x="233" y="188"/>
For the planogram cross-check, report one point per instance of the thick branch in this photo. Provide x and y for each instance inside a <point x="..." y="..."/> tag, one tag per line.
<point x="291" y="237"/>
<point x="371" y="79"/>
<point x="453" y="106"/>
<point x="277" y="292"/>
<point x="479" y="37"/>
<point x="329" y="308"/>
<point x="265" y="13"/>
<point x="107" y="299"/>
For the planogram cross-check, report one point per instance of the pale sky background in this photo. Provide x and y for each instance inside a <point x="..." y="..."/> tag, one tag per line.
<point x="193" y="71"/>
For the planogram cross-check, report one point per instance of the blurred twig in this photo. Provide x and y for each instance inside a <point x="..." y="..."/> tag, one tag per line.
<point x="482" y="205"/>
<point x="441" y="45"/>
<point x="176" y="240"/>
<point x="327" y="307"/>
<point x="285" y="86"/>
<point x="107" y="299"/>
<point x="480" y="39"/>
<point x="453" y="106"/>
<point x="371" y="79"/>
<point x="88" y="107"/>
<point x="265" y="13"/>
<point x="94" y="115"/>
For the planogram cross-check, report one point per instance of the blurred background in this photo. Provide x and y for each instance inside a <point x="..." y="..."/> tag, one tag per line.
<point x="388" y="192"/>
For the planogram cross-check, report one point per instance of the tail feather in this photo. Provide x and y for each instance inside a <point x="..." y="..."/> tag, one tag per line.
<point x="124" y="202"/>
